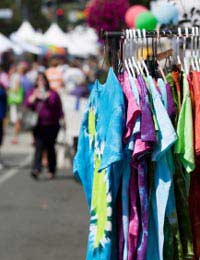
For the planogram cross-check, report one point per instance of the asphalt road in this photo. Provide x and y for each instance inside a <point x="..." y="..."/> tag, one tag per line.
<point x="44" y="220"/>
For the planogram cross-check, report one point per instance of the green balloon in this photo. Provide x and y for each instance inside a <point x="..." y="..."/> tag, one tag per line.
<point x="146" y="20"/>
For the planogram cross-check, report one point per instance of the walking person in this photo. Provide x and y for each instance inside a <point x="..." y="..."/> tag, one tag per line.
<point x="55" y="75"/>
<point x="4" y="78"/>
<point x="46" y="102"/>
<point x="15" y="100"/>
<point x="3" y="107"/>
<point x="25" y="82"/>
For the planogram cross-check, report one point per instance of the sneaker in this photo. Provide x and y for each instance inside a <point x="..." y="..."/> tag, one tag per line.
<point x="35" y="174"/>
<point x="51" y="176"/>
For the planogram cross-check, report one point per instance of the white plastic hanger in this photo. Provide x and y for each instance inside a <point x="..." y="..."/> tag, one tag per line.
<point x="178" y="47"/>
<point x="159" y="67"/>
<point x="197" y="52"/>
<point x="139" y="36"/>
<point x="133" y="58"/>
<point x="185" y="59"/>
<point x="125" y="52"/>
<point x="192" y="50"/>
<point x="127" y="67"/>
<point x="129" y="35"/>
<point x="130" y="60"/>
<point x="195" y="49"/>
<point x="198" y="47"/>
<point x="142" y="61"/>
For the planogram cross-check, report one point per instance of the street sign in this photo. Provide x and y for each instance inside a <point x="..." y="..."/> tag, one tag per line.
<point x="6" y="13"/>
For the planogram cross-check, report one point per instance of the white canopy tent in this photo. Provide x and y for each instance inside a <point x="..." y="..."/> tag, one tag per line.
<point x="38" y="38"/>
<point x="26" y="37"/>
<point x="6" y="44"/>
<point x="84" y="41"/>
<point x="25" y="32"/>
<point x="81" y="41"/>
<point x="25" y="46"/>
<point x="55" y="36"/>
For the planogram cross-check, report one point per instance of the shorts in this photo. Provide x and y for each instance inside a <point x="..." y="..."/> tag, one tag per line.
<point x="15" y="113"/>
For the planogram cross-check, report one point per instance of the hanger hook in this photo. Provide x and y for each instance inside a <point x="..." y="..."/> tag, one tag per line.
<point x="144" y="40"/>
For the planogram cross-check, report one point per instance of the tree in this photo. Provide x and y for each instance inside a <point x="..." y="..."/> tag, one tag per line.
<point x="140" y="2"/>
<point x="22" y="9"/>
<point x="32" y="11"/>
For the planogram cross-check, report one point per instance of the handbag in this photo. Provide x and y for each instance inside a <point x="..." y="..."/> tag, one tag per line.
<point x="29" y="119"/>
<point x="15" y="97"/>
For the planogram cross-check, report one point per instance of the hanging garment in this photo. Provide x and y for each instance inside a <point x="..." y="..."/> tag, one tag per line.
<point x="172" y="86"/>
<point x="135" y="90"/>
<point x="134" y="221"/>
<point x="133" y="113"/>
<point x="98" y="163"/>
<point x="141" y="153"/>
<point x="196" y="93"/>
<point x="133" y="110"/>
<point x="166" y="137"/>
<point x="147" y="124"/>
<point x="171" y="109"/>
<point x="184" y="145"/>
<point x="120" y="225"/>
<point x="172" y="248"/>
<point x="194" y="194"/>
<point x="194" y="198"/>
<point x="176" y="75"/>
<point x="163" y="92"/>
<point x="184" y="164"/>
<point x="136" y="162"/>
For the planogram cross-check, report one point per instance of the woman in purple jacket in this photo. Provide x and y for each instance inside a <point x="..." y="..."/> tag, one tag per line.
<point x="3" y="108"/>
<point x="47" y="104"/>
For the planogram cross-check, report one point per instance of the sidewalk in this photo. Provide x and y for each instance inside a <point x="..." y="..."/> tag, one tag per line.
<point x="45" y="220"/>
<point x="12" y="155"/>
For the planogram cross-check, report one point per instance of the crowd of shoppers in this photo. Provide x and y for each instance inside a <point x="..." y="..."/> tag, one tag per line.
<point x="42" y="87"/>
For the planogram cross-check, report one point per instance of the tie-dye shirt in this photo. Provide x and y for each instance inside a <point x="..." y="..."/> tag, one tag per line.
<point x="98" y="163"/>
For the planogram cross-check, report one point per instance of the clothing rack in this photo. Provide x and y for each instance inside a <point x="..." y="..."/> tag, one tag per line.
<point x="195" y="31"/>
<point x="112" y="38"/>
<point x="159" y="108"/>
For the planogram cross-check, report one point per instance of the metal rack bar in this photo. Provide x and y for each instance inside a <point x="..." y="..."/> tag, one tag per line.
<point x="149" y="34"/>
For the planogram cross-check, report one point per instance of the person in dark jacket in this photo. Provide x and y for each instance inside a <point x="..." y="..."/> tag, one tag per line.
<point x="47" y="104"/>
<point x="3" y="108"/>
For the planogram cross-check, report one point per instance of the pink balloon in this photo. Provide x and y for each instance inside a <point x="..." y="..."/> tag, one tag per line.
<point x="132" y="13"/>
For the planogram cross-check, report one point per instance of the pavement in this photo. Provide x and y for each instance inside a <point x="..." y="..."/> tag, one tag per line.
<point x="43" y="220"/>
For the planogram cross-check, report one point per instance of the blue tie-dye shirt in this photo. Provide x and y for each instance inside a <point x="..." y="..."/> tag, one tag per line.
<point x="98" y="163"/>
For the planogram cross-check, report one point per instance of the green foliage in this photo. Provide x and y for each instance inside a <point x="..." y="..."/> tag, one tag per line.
<point x="6" y="4"/>
<point x="140" y="2"/>
<point x="31" y="10"/>
<point x="22" y="9"/>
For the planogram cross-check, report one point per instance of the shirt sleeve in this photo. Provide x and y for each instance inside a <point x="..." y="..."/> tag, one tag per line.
<point x="184" y="145"/>
<point x="166" y="134"/>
